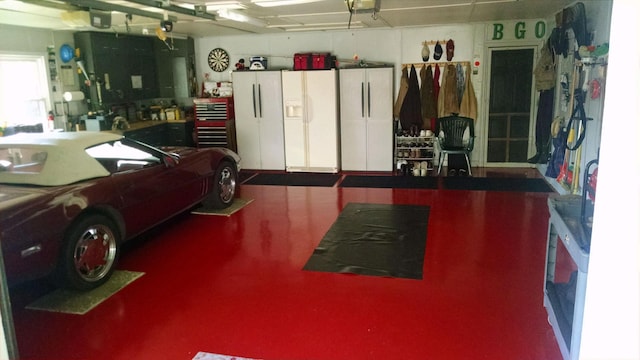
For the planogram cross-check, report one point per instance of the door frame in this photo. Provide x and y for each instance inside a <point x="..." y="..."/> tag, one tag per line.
<point x="486" y="88"/>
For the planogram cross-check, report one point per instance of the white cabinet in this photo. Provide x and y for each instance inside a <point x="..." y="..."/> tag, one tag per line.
<point x="259" y="120"/>
<point x="366" y="119"/>
<point x="310" y="107"/>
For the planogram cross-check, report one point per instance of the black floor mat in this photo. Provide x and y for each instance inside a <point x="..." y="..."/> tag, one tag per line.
<point x="391" y="182"/>
<point x="294" y="179"/>
<point x="496" y="184"/>
<point x="244" y="175"/>
<point x="374" y="239"/>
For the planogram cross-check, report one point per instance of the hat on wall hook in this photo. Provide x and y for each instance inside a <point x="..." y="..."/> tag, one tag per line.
<point x="425" y="51"/>
<point x="437" y="51"/>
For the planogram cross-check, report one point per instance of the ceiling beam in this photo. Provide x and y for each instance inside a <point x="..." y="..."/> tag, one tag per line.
<point x="99" y="5"/>
<point x="175" y="8"/>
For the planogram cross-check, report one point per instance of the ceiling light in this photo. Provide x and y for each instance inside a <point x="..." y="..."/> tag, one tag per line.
<point x="236" y="16"/>
<point x="273" y="3"/>
<point x="320" y="28"/>
<point x="166" y="25"/>
<point x="332" y="25"/>
<point x="218" y="5"/>
<point x="364" y="5"/>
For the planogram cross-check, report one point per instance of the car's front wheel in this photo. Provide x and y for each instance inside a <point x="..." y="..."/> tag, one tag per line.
<point x="224" y="187"/>
<point x="89" y="254"/>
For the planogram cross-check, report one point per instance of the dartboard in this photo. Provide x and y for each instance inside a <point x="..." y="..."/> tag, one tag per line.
<point x="218" y="60"/>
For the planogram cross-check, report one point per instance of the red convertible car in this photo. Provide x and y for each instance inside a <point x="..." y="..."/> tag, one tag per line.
<point x="69" y="199"/>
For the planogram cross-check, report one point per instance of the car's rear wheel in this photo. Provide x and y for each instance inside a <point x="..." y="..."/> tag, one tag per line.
<point x="224" y="187"/>
<point x="89" y="254"/>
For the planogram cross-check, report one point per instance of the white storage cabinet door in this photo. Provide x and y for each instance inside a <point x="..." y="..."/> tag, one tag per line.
<point x="366" y="119"/>
<point x="380" y="119"/>
<point x="353" y="120"/>
<point x="247" y="125"/>
<point x="259" y="120"/>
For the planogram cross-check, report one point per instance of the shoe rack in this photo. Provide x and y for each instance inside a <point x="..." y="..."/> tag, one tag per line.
<point x="414" y="152"/>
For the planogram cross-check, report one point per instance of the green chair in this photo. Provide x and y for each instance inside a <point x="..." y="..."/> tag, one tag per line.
<point x="451" y="139"/>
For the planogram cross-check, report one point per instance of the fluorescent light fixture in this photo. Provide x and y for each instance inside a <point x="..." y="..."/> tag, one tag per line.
<point x="365" y="5"/>
<point x="218" y="5"/>
<point x="322" y="28"/>
<point x="273" y="3"/>
<point x="332" y="25"/>
<point x="236" y="16"/>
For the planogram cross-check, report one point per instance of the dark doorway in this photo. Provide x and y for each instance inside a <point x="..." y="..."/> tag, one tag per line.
<point x="510" y="106"/>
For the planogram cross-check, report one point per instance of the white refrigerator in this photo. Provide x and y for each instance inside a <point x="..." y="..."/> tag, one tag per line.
<point x="311" y="121"/>
<point x="258" y="119"/>
<point x="366" y="119"/>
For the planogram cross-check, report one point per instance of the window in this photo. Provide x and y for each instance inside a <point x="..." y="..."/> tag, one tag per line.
<point x="22" y="159"/>
<point x="118" y="157"/>
<point x="24" y="94"/>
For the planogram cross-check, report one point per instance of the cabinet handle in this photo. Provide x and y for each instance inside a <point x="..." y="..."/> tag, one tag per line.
<point x="260" y="100"/>
<point x="253" y="93"/>
<point x="362" y="98"/>
<point x="369" y="99"/>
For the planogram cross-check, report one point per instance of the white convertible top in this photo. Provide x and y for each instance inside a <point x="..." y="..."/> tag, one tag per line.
<point x="66" y="159"/>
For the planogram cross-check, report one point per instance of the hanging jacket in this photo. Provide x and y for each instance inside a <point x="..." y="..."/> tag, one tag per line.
<point x="436" y="92"/>
<point x="427" y="97"/>
<point x="460" y="81"/>
<point x="402" y="92"/>
<point x="469" y="103"/>
<point x="448" y="99"/>
<point x="411" y="111"/>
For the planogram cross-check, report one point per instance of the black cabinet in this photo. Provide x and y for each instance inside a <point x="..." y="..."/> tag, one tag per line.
<point x="180" y="133"/>
<point x="121" y="68"/>
<point x="155" y="135"/>
<point x="175" y="63"/>
<point x="164" y="133"/>
<point x="142" y="68"/>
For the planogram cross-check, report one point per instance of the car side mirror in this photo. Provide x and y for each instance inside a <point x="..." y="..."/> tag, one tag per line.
<point x="170" y="161"/>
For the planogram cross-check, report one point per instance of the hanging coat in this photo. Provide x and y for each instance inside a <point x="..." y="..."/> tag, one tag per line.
<point x="427" y="97"/>
<point x="460" y="81"/>
<point x="469" y="103"/>
<point x="436" y="92"/>
<point x="448" y="99"/>
<point x="402" y="92"/>
<point x="411" y="111"/>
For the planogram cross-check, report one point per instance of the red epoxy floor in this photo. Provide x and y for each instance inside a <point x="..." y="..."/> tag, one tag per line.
<point x="234" y="285"/>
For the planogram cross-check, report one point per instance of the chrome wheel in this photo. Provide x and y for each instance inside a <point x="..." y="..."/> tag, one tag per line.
<point x="89" y="254"/>
<point x="95" y="253"/>
<point x="227" y="184"/>
<point x="224" y="187"/>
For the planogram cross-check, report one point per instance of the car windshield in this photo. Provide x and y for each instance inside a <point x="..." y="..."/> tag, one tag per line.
<point x="23" y="160"/>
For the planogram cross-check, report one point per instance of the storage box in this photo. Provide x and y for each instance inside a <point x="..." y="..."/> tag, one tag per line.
<point x="258" y="63"/>
<point x="313" y="61"/>
<point x="323" y="61"/>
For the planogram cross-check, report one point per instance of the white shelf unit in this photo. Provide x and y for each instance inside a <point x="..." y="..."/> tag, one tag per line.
<point x="415" y="150"/>
<point x="566" y="273"/>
